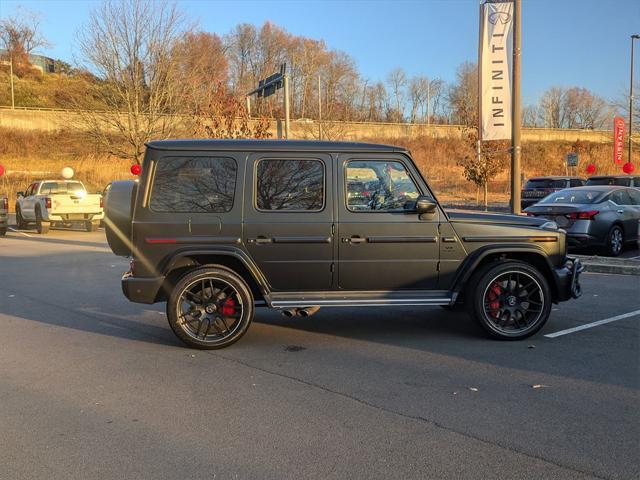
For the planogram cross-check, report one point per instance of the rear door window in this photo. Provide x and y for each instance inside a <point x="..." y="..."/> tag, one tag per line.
<point x="194" y="185"/>
<point x="545" y="183"/>
<point x="621" y="197"/>
<point x="289" y="185"/>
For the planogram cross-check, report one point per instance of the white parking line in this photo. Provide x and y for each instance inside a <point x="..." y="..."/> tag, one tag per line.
<point x="21" y="233"/>
<point x="593" y="324"/>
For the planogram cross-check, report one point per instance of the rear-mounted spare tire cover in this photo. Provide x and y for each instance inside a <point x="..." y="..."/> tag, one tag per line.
<point x="118" y="213"/>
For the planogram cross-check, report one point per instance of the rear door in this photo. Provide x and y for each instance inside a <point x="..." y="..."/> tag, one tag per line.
<point x="627" y="212"/>
<point x="190" y="199"/>
<point x="289" y="219"/>
<point x="382" y="246"/>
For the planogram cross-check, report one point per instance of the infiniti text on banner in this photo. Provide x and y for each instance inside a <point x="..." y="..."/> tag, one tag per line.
<point x="496" y="54"/>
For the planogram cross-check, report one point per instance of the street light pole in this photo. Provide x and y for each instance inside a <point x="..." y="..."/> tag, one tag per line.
<point x="515" y="110"/>
<point x="633" y="37"/>
<point x="286" y="106"/>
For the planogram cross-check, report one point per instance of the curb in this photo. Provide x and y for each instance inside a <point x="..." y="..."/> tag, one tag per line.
<point x="616" y="266"/>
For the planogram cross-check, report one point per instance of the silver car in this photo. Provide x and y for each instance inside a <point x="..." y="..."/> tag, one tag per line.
<point x="605" y="217"/>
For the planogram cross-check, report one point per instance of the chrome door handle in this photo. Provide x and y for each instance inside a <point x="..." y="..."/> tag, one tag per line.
<point x="354" y="240"/>
<point x="620" y="211"/>
<point x="261" y="240"/>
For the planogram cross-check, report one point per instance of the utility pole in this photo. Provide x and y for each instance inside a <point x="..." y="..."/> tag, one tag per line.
<point x="286" y="106"/>
<point x="515" y="110"/>
<point x="633" y="37"/>
<point x="13" y="100"/>
<point x="319" y="110"/>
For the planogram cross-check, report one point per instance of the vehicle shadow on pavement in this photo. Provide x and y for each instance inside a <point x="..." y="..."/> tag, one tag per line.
<point x="35" y="237"/>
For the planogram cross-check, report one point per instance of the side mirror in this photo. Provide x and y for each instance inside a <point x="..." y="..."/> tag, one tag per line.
<point x="19" y="194"/>
<point x="425" y="205"/>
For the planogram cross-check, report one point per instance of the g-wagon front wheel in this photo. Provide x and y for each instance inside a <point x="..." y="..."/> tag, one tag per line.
<point x="511" y="300"/>
<point x="210" y="308"/>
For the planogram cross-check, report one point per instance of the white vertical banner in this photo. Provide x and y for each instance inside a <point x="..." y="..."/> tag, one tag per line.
<point x="496" y="55"/>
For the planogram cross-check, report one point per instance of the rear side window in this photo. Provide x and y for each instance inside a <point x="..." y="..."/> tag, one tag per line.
<point x="194" y="185"/>
<point x="621" y="197"/>
<point x="293" y="185"/>
<point x="545" y="183"/>
<point x="576" y="182"/>
<point x="623" y="182"/>
<point x="573" y="196"/>
<point x="635" y="196"/>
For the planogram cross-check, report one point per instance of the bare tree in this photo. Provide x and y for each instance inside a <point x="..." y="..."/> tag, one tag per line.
<point x="397" y="81"/>
<point x="225" y="116"/>
<point x="463" y="95"/>
<point x="530" y="115"/>
<point x="201" y="65"/>
<point x="128" y="45"/>
<point x="481" y="169"/>
<point x="19" y="36"/>
<point x="418" y="96"/>
<point x="573" y="107"/>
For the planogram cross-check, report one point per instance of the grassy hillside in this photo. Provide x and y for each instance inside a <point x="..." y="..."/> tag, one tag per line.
<point x="29" y="156"/>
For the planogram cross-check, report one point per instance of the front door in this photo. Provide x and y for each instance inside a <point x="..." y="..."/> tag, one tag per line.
<point x="288" y="219"/>
<point x="383" y="245"/>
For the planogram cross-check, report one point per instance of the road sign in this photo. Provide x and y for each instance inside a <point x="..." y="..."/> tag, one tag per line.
<point x="572" y="159"/>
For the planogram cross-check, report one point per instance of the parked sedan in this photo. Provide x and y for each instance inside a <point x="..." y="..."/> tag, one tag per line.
<point x="598" y="216"/>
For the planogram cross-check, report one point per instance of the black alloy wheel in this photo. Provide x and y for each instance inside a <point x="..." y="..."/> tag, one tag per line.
<point x="210" y="308"/>
<point x="512" y="300"/>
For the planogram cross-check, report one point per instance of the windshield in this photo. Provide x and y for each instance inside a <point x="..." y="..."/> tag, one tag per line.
<point x="545" y="183"/>
<point x="62" y="188"/>
<point x="572" y="196"/>
<point x="624" y="182"/>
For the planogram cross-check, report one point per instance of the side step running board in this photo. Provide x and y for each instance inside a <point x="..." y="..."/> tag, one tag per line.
<point x="359" y="299"/>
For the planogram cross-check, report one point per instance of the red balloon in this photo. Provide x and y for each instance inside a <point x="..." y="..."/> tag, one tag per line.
<point x="591" y="168"/>
<point x="628" y="167"/>
<point x="1" y="170"/>
<point x="136" y="169"/>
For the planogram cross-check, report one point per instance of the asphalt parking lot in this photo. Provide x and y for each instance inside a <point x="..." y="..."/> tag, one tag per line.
<point x="92" y="386"/>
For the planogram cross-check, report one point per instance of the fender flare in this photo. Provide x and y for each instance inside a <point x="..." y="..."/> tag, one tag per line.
<point x="470" y="264"/>
<point x="169" y="263"/>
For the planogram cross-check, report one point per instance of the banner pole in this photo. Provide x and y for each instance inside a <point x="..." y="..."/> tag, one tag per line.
<point x="478" y="143"/>
<point x="515" y="110"/>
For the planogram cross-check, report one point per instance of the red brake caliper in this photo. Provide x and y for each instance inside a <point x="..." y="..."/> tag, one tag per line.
<point x="228" y="308"/>
<point x="493" y="295"/>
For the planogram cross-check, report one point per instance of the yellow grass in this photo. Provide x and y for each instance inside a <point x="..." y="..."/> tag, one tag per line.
<point x="30" y="156"/>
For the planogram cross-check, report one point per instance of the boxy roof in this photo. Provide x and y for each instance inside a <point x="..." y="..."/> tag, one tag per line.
<point x="272" y="145"/>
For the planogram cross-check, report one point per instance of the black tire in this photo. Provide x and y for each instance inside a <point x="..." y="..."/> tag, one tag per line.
<point x="211" y="289"/>
<point x="511" y="299"/>
<point x="41" y="225"/>
<point x="3" y="231"/>
<point x="20" y="222"/>
<point x="90" y="226"/>
<point x="615" y="242"/>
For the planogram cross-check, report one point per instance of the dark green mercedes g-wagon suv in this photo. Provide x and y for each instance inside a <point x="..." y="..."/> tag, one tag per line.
<point x="216" y="228"/>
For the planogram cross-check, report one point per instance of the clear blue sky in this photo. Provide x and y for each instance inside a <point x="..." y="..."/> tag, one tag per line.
<point x="565" y="42"/>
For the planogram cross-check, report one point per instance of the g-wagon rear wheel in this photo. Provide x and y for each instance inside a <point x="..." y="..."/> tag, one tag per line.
<point x="210" y="308"/>
<point x="511" y="300"/>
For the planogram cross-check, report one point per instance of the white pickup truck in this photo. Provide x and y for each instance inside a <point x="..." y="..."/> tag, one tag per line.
<point x="4" y="215"/>
<point x="59" y="202"/>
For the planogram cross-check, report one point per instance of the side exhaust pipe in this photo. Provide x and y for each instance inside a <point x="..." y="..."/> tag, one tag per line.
<point x="290" y="312"/>
<point x="308" y="311"/>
